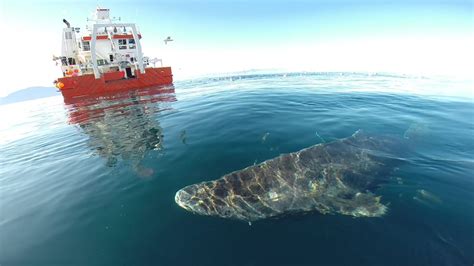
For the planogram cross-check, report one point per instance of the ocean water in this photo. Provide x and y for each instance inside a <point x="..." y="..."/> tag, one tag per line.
<point x="92" y="181"/>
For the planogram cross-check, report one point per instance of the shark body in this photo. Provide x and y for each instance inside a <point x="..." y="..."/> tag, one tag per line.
<point x="334" y="177"/>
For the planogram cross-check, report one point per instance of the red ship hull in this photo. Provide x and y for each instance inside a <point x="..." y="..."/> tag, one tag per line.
<point x="114" y="81"/>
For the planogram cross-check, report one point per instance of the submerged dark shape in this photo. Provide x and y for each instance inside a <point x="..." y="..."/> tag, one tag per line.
<point x="330" y="178"/>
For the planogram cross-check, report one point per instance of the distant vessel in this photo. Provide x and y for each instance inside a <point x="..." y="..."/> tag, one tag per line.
<point x="107" y="58"/>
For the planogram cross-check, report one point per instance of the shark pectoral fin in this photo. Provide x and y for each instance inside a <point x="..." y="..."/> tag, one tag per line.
<point x="363" y="204"/>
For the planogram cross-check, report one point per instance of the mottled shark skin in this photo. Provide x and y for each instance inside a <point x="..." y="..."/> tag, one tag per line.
<point x="329" y="178"/>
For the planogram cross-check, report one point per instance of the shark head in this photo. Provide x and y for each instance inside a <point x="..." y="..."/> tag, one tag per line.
<point x="192" y="198"/>
<point x="204" y="199"/>
<point x="216" y="199"/>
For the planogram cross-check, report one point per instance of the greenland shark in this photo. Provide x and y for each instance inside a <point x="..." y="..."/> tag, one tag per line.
<point x="331" y="178"/>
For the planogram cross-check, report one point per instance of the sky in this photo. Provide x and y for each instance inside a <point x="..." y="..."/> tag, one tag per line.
<point x="416" y="37"/>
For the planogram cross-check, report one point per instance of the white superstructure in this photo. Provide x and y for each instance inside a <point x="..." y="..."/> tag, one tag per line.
<point x="106" y="46"/>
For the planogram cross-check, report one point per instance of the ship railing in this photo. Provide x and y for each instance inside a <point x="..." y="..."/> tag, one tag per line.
<point x="154" y="61"/>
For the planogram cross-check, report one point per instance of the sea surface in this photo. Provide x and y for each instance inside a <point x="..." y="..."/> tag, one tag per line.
<point x="92" y="181"/>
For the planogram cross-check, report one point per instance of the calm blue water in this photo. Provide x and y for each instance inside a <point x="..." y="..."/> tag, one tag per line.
<point x="92" y="182"/>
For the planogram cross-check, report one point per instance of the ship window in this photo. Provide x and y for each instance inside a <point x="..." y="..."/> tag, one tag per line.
<point x="86" y="46"/>
<point x="131" y="44"/>
<point x="101" y="62"/>
<point x="68" y="35"/>
<point x="122" y="44"/>
<point x="111" y="57"/>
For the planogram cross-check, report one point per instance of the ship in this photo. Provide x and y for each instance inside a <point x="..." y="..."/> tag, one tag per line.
<point x="107" y="57"/>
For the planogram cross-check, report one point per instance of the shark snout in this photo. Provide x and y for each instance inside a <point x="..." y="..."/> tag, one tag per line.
<point x="183" y="199"/>
<point x="197" y="199"/>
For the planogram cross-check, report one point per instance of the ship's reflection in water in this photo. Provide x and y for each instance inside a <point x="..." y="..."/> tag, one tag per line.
<point x="123" y="126"/>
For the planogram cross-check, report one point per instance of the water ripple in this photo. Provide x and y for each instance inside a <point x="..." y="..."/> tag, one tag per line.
<point x="98" y="174"/>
